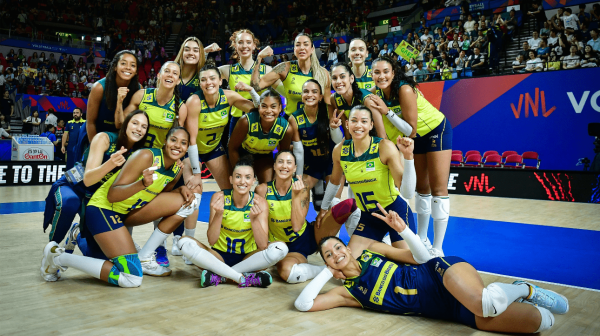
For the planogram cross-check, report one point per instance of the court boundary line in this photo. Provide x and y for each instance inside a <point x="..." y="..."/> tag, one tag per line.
<point x="542" y="281"/>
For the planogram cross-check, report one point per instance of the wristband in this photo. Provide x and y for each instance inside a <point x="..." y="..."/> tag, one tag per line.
<point x="194" y="159"/>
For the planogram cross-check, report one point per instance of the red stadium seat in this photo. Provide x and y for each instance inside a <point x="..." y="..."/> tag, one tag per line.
<point x="71" y="87"/>
<point x="472" y="152"/>
<point x="513" y="161"/>
<point x="473" y="160"/>
<point x="157" y="66"/>
<point x="488" y="153"/>
<point x="147" y="66"/>
<point x="507" y="153"/>
<point x="456" y="151"/>
<point x="456" y="160"/>
<point x="31" y="90"/>
<point x="80" y="87"/>
<point x="531" y="160"/>
<point x="493" y="160"/>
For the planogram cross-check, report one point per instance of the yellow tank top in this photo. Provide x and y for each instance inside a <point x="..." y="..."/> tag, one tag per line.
<point x="259" y="142"/>
<point x="342" y="104"/>
<point x="428" y="116"/>
<point x="293" y="87"/>
<point x="211" y="122"/>
<point x="236" y="230"/>
<point x="280" y="215"/>
<point x="237" y="74"/>
<point x="161" y="118"/>
<point x="390" y="130"/>
<point x="370" y="180"/>
<point x="143" y="197"/>
<point x="366" y="80"/>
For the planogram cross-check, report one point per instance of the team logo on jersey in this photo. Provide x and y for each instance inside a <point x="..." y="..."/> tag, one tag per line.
<point x="269" y="191"/>
<point x="203" y="105"/>
<point x="246" y="217"/>
<point x="236" y="68"/>
<point x="301" y="120"/>
<point x="205" y="118"/>
<point x="370" y="166"/>
<point x="368" y="86"/>
<point x="254" y="127"/>
<point x="348" y="283"/>
<point x="278" y="129"/>
<point x="366" y="256"/>
<point x="294" y="68"/>
<point x="397" y="110"/>
<point x="169" y="116"/>
<point x="345" y="150"/>
<point x="272" y="143"/>
<point x="227" y="200"/>
<point x="223" y="99"/>
<point x="223" y="114"/>
<point x="338" y="101"/>
<point x="157" y="161"/>
<point x="369" y="74"/>
<point x="148" y="98"/>
<point x="167" y="181"/>
<point x="374" y="148"/>
<point x="376" y="262"/>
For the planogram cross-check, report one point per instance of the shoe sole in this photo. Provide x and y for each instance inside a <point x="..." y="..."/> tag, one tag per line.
<point x="160" y="275"/>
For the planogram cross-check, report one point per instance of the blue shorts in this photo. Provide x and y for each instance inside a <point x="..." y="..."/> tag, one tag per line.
<point x="318" y="167"/>
<point x="374" y="228"/>
<point x="439" y="139"/>
<point x="100" y="220"/>
<point x="255" y="157"/>
<point x="213" y="154"/>
<point x="231" y="259"/>
<point x="306" y="244"/>
<point x="436" y="301"/>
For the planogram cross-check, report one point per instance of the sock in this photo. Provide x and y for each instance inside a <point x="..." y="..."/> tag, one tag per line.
<point x="302" y="272"/>
<point x="263" y="259"/>
<point x="204" y="259"/>
<point x="423" y="207"/>
<point x="513" y="292"/>
<point x="547" y="319"/>
<point x="156" y="222"/>
<point x="130" y="229"/>
<point x="440" y="210"/>
<point x="156" y="239"/>
<point x="189" y="232"/>
<point x="91" y="266"/>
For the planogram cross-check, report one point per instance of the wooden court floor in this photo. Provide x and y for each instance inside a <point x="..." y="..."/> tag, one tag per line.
<point x="175" y="305"/>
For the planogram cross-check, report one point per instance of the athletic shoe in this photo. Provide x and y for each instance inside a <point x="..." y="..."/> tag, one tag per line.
<point x="387" y="240"/>
<point x="71" y="241"/>
<point x="138" y="248"/>
<point x="161" y="256"/>
<point x="151" y="267"/>
<point x="208" y="278"/>
<point x="258" y="279"/>
<point x="49" y="270"/>
<point x="175" y="250"/>
<point x="186" y="261"/>
<point x="427" y="243"/>
<point x="436" y="253"/>
<point x="554" y="302"/>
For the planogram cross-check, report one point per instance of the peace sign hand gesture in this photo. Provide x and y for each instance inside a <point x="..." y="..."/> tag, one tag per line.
<point x="392" y="219"/>
<point x="336" y="121"/>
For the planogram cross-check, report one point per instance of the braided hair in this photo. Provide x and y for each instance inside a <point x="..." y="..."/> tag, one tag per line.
<point x="111" y="88"/>
<point x="176" y="92"/>
<point x="400" y="78"/>
<point x="356" y="92"/>
<point x="323" y="136"/>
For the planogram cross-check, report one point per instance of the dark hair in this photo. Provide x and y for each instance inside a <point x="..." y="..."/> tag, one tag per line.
<point x="244" y="161"/>
<point x="323" y="135"/>
<point x="372" y="132"/>
<point x="122" y="137"/>
<point x="270" y="92"/>
<point x="399" y="76"/>
<point x="111" y="88"/>
<point x="173" y="130"/>
<point x="324" y="240"/>
<point x="356" y="93"/>
<point x="78" y="108"/>
<point x="285" y="151"/>
<point x="210" y="66"/>
<point x="176" y="91"/>
<point x="568" y="10"/>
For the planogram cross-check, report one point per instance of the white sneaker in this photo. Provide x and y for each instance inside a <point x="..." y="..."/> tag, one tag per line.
<point x="187" y="261"/>
<point x="137" y="247"/>
<point x="427" y="243"/>
<point x="435" y="253"/>
<point x="49" y="270"/>
<point x="151" y="267"/>
<point x="175" y="250"/>
<point x="387" y="240"/>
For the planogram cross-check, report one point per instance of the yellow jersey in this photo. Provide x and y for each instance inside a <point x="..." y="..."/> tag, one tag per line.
<point x="341" y="104"/>
<point x="259" y="142"/>
<point x="237" y="74"/>
<point x="280" y="215"/>
<point x="370" y="179"/>
<point x="161" y="118"/>
<point x="293" y="83"/>
<point x="236" y="229"/>
<point x="143" y="197"/>
<point x="390" y="130"/>
<point x="211" y="122"/>
<point x="366" y="80"/>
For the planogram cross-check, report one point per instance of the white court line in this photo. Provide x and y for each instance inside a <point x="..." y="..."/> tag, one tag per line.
<point x="546" y="282"/>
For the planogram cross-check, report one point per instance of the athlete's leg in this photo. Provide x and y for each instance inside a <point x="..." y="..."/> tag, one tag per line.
<point x="66" y="205"/>
<point x="329" y="226"/>
<point x="423" y="197"/>
<point x="518" y="318"/>
<point x="294" y="268"/>
<point x="220" y="169"/>
<point x="259" y="260"/>
<point x="438" y="167"/>
<point x="263" y="166"/>
<point x="206" y="258"/>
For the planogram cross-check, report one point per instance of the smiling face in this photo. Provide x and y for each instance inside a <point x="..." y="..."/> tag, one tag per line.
<point x="210" y="81"/>
<point x="335" y="254"/>
<point x="285" y="165"/>
<point x="177" y="144"/>
<point x="244" y="45"/>
<point x="127" y="67"/>
<point x="311" y="94"/>
<point x="168" y="77"/>
<point x="242" y="179"/>
<point x="191" y="53"/>
<point x="269" y="109"/>
<point x="341" y="80"/>
<point x="137" y="127"/>
<point x="360" y="123"/>
<point x="303" y="47"/>
<point x="383" y="73"/>
<point x="358" y="52"/>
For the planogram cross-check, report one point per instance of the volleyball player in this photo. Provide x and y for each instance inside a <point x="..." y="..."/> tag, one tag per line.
<point x="293" y="74"/>
<point x="237" y="233"/>
<point x="134" y="196"/>
<point x="110" y="95"/>
<point x="259" y="132"/>
<point x="357" y="50"/>
<point x="373" y="169"/>
<point x="410" y="282"/>
<point x="191" y="58"/>
<point x="432" y="133"/>
<point x="288" y="199"/>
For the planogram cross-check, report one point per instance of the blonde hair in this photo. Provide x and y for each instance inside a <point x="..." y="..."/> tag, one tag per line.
<point x="320" y="74"/>
<point x="234" y="38"/>
<point x="201" y="59"/>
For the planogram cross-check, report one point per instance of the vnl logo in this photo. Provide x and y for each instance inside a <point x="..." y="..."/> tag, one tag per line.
<point x="533" y="103"/>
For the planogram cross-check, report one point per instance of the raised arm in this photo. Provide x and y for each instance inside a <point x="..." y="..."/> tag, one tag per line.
<point x="334" y="183"/>
<point x="224" y="70"/>
<point x="235" y="99"/>
<point x="403" y="170"/>
<point x="300" y="202"/>
<point x="279" y="72"/>
<point x="377" y="116"/>
<point x="408" y="103"/>
<point x="237" y="137"/>
<point x="134" y="104"/>
<point x="128" y="182"/>
<point x="95" y="170"/>
<point x="259" y="218"/>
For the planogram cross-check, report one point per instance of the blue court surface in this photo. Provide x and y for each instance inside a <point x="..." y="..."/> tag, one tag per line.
<point x="536" y="252"/>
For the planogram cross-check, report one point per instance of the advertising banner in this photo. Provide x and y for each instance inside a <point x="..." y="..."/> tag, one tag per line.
<point x="48" y="47"/>
<point x="406" y="50"/>
<point x="15" y="173"/>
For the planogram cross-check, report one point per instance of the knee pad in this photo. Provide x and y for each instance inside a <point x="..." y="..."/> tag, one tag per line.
<point x="275" y="252"/>
<point x="423" y="204"/>
<point x="547" y="319"/>
<point x="188" y="247"/>
<point x="352" y="221"/>
<point x="185" y="211"/>
<point x="317" y="199"/>
<point x="440" y="208"/>
<point x="493" y="301"/>
<point x="297" y="275"/>
<point x="126" y="271"/>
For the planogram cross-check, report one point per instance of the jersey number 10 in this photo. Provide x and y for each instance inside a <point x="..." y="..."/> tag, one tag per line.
<point x="232" y="245"/>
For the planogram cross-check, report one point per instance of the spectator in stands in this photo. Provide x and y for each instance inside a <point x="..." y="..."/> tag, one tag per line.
<point x="52" y="60"/>
<point x="543" y="51"/>
<point x="553" y="62"/>
<point x="538" y="13"/>
<point x="90" y="57"/>
<point x="39" y="81"/>
<point x="410" y="67"/>
<point x="469" y="24"/>
<point x="534" y="63"/>
<point x="4" y="127"/>
<point x="432" y="65"/>
<point x="563" y="46"/>
<point x="80" y="65"/>
<point x="466" y="45"/>
<point x="11" y="56"/>
<point x="484" y="24"/>
<point x="92" y="75"/>
<point x="590" y="58"/>
<point x="553" y="39"/>
<point x="425" y="36"/>
<point x="477" y="62"/>
<point x="570" y="20"/>
<point x="582" y="15"/>
<point x="519" y="64"/>
<point x="324" y="47"/>
<point x="595" y="13"/>
<point x="384" y="51"/>
<point x="545" y="32"/>
<point x="7" y="106"/>
<point x="525" y="50"/>
<point x="474" y="33"/>
<point x="70" y="65"/>
<point x="460" y="63"/>
<point x="446" y="70"/>
<point x="534" y="42"/>
<point x="51" y="136"/>
<point x="577" y="41"/>
<point x="511" y="23"/>
<point x="33" y="61"/>
<point x="420" y="74"/>
<point x="572" y="61"/>
<point x="32" y="124"/>
<point x="480" y="41"/>
<point x="594" y="42"/>
<point x="30" y="80"/>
